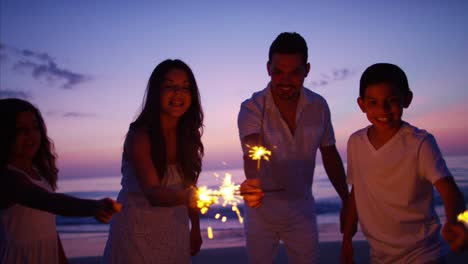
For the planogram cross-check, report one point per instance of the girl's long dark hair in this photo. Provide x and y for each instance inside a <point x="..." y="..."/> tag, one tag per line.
<point x="44" y="160"/>
<point x="189" y="129"/>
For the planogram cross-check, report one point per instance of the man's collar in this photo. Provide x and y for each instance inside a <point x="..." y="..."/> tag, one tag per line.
<point x="269" y="102"/>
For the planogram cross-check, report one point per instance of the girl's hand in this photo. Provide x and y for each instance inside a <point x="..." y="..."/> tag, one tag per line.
<point x="105" y="208"/>
<point x="192" y="197"/>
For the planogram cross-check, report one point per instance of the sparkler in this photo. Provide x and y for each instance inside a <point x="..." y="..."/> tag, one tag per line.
<point x="463" y="218"/>
<point x="228" y="192"/>
<point x="206" y="198"/>
<point x="258" y="153"/>
<point x="209" y="232"/>
<point x="236" y="210"/>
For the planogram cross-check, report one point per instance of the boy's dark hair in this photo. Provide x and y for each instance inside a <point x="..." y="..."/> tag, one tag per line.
<point x="384" y="73"/>
<point x="289" y="43"/>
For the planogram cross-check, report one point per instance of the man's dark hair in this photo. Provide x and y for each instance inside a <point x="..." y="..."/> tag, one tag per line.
<point x="289" y="43"/>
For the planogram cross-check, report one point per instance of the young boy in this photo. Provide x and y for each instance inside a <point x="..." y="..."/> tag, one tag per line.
<point x="392" y="167"/>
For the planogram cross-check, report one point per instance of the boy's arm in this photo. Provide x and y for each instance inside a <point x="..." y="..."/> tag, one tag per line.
<point x="433" y="167"/>
<point x="454" y="202"/>
<point x="349" y="229"/>
<point x="454" y="232"/>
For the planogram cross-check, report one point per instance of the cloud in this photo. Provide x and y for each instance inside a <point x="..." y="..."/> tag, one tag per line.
<point x="78" y="114"/>
<point x="334" y="76"/>
<point x="9" y="93"/>
<point x="41" y="56"/>
<point x="69" y="114"/>
<point x="51" y="72"/>
<point x="42" y="65"/>
<point x="3" y="56"/>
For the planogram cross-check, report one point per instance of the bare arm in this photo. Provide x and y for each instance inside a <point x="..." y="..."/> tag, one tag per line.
<point x="194" y="218"/>
<point x="350" y="216"/>
<point x="138" y="151"/>
<point x="453" y="232"/>
<point x="335" y="170"/>
<point x="349" y="229"/>
<point x="19" y="189"/>
<point x="454" y="202"/>
<point x="195" y="234"/>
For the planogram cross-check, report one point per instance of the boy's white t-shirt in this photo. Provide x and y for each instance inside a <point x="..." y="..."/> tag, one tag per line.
<point x="393" y="189"/>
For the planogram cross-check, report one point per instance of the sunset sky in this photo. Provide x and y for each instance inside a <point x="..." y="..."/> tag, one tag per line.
<point x="86" y="63"/>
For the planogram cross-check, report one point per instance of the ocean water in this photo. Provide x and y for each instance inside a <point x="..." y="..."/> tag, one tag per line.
<point x="327" y="202"/>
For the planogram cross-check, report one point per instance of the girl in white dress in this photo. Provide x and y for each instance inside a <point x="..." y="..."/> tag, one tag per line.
<point x="161" y="163"/>
<point x="27" y="199"/>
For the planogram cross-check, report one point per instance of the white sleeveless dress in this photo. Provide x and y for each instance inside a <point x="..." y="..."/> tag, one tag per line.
<point x="28" y="235"/>
<point x="142" y="233"/>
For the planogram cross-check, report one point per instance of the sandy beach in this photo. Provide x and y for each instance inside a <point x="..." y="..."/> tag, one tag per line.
<point x="228" y="247"/>
<point x="329" y="254"/>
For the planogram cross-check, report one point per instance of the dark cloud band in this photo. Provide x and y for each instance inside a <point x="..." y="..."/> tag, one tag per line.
<point x="42" y="65"/>
<point x="334" y="76"/>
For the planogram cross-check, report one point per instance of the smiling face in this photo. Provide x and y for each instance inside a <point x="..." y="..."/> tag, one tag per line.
<point x="28" y="136"/>
<point x="175" y="93"/>
<point x="383" y="104"/>
<point x="287" y="72"/>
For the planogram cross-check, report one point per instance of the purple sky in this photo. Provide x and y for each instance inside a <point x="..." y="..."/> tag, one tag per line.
<point x="85" y="64"/>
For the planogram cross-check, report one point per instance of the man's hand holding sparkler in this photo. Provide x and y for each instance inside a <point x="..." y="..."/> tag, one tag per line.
<point x="254" y="154"/>
<point x="251" y="192"/>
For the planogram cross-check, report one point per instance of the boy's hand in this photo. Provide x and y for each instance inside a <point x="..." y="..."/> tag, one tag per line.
<point x="251" y="192"/>
<point x="105" y="208"/>
<point x="456" y="235"/>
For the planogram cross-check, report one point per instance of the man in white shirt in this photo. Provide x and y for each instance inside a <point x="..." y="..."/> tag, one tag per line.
<point x="293" y="122"/>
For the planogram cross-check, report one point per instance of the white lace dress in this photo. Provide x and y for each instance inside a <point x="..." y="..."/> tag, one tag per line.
<point x="28" y="235"/>
<point x="142" y="233"/>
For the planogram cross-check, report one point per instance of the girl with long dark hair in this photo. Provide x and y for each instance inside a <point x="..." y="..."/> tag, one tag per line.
<point x="28" y="200"/>
<point x="161" y="163"/>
